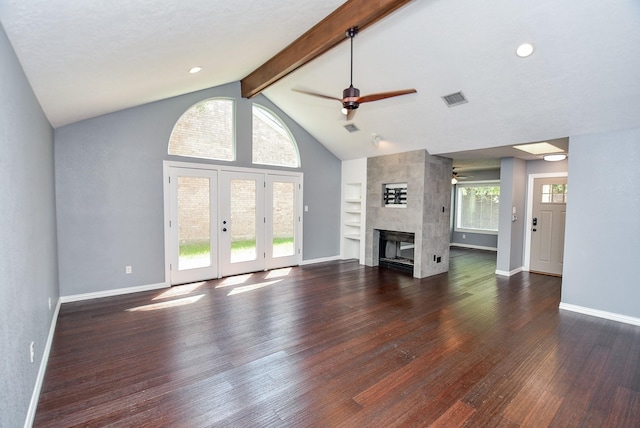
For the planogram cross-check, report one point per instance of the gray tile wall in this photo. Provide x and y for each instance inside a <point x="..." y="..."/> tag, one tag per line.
<point x="428" y="181"/>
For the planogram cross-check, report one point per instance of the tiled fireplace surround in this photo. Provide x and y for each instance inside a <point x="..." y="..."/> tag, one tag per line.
<point x="427" y="211"/>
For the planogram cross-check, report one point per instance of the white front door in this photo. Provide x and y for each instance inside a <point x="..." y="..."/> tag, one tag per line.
<point x="547" y="225"/>
<point x="242" y="222"/>
<point x="192" y="232"/>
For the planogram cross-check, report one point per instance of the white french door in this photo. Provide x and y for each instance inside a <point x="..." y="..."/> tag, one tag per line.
<point x="192" y="225"/>
<point x="282" y="221"/>
<point x="242" y="222"/>
<point x="225" y="222"/>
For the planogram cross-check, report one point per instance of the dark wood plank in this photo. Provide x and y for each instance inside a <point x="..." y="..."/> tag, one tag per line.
<point x="319" y="39"/>
<point x="338" y="344"/>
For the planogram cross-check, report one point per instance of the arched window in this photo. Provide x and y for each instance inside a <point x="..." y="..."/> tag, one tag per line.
<point x="273" y="144"/>
<point x="205" y="131"/>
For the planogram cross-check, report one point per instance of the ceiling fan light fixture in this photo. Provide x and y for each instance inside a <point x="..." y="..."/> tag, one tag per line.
<point x="555" y="157"/>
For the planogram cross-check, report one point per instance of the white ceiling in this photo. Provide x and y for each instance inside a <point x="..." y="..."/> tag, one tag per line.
<point x="85" y="58"/>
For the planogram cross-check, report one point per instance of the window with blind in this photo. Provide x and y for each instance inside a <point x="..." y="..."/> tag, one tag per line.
<point x="477" y="207"/>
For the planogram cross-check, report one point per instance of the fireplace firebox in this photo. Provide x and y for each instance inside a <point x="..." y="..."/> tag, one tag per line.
<point x="396" y="250"/>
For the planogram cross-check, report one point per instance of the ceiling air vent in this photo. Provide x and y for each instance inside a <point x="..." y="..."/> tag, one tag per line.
<point x="351" y="127"/>
<point x="454" y="99"/>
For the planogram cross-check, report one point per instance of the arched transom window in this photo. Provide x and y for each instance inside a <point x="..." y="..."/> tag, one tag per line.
<point x="273" y="144"/>
<point x="205" y="131"/>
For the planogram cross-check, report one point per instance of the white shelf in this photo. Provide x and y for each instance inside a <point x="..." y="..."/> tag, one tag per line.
<point x="352" y="219"/>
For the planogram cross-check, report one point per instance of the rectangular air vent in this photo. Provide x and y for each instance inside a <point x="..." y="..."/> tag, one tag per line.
<point x="351" y="127"/>
<point x="454" y="99"/>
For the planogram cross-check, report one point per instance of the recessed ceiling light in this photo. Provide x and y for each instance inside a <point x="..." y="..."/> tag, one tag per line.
<point x="539" y="148"/>
<point x="524" y="50"/>
<point x="554" y="158"/>
<point x="195" y="70"/>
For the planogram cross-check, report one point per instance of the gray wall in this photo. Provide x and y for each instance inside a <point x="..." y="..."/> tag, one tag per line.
<point x="602" y="231"/>
<point x="28" y="264"/>
<point x="110" y="193"/>
<point x="511" y="233"/>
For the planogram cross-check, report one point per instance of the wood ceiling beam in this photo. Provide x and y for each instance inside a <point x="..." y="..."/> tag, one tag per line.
<point x="320" y="38"/>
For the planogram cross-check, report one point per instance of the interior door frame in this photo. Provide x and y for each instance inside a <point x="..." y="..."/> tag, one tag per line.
<point x="166" y="164"/>
<point x="529" y="209"/>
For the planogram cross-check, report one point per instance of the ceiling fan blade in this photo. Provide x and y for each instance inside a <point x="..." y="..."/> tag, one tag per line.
<point x="314" y="94"/>
<point x="351" y="114"/>
<point x="383" y="95"/>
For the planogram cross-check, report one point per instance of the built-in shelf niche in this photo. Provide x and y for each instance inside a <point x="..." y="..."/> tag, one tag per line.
<point x="353" y="209"/>
<point x="352" y="216"/>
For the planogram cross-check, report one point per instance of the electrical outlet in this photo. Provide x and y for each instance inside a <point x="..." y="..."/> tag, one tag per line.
<point x="128" y="269"/>
<point x="49" y="303"/>
<point x="31" y="351"/>
<point x="464" y="236"/>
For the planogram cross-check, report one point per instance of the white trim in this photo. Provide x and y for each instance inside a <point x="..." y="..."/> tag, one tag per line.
<point x="600" y="314"/>
<point x="35" y="396"/>
<point x="529" y="212"/>
<point x="477" y="247"/>
<point x="320" y="260"/>
<point x="114" y="292"/>
<point x="509" y="273"/>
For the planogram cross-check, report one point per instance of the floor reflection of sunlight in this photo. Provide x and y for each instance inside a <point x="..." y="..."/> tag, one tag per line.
<point x="168" y="304"/>
<point x="277" y="273"/>
<point x="234" y="280"/>
<point x="251" y="287"/>
<point x="179" y="290"/>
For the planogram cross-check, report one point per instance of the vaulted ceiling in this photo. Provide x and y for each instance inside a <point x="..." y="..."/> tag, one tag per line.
<point x="87" y="58"/>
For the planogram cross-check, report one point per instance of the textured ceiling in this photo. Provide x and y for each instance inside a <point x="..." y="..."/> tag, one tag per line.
<point x="86" y="58"/>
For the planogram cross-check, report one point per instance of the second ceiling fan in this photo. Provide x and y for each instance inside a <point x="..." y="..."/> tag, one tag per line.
<point x="351" y="98"/>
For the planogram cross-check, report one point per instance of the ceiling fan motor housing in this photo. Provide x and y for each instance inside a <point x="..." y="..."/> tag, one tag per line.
<point x="350" y="98"/>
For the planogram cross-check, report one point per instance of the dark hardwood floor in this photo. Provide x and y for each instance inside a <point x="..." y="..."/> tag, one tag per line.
<point x="338" y="344"/>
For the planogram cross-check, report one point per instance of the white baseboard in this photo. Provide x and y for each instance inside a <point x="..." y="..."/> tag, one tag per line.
<point x="509" y="273"/>
<point x="320" y="260"/>
<point x="114" y="292"/>
<point x="35" y="396"/>
<point x="475" y="247"/>
<point x="600" y="314"/>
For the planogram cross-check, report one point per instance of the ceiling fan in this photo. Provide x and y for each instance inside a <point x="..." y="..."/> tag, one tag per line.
<point x="351" y="98"/>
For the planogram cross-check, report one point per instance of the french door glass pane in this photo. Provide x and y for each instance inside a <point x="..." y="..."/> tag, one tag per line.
<point x="283" y="219"/>
<point x="243" y="220"/>
<point x="194" y="222"/>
